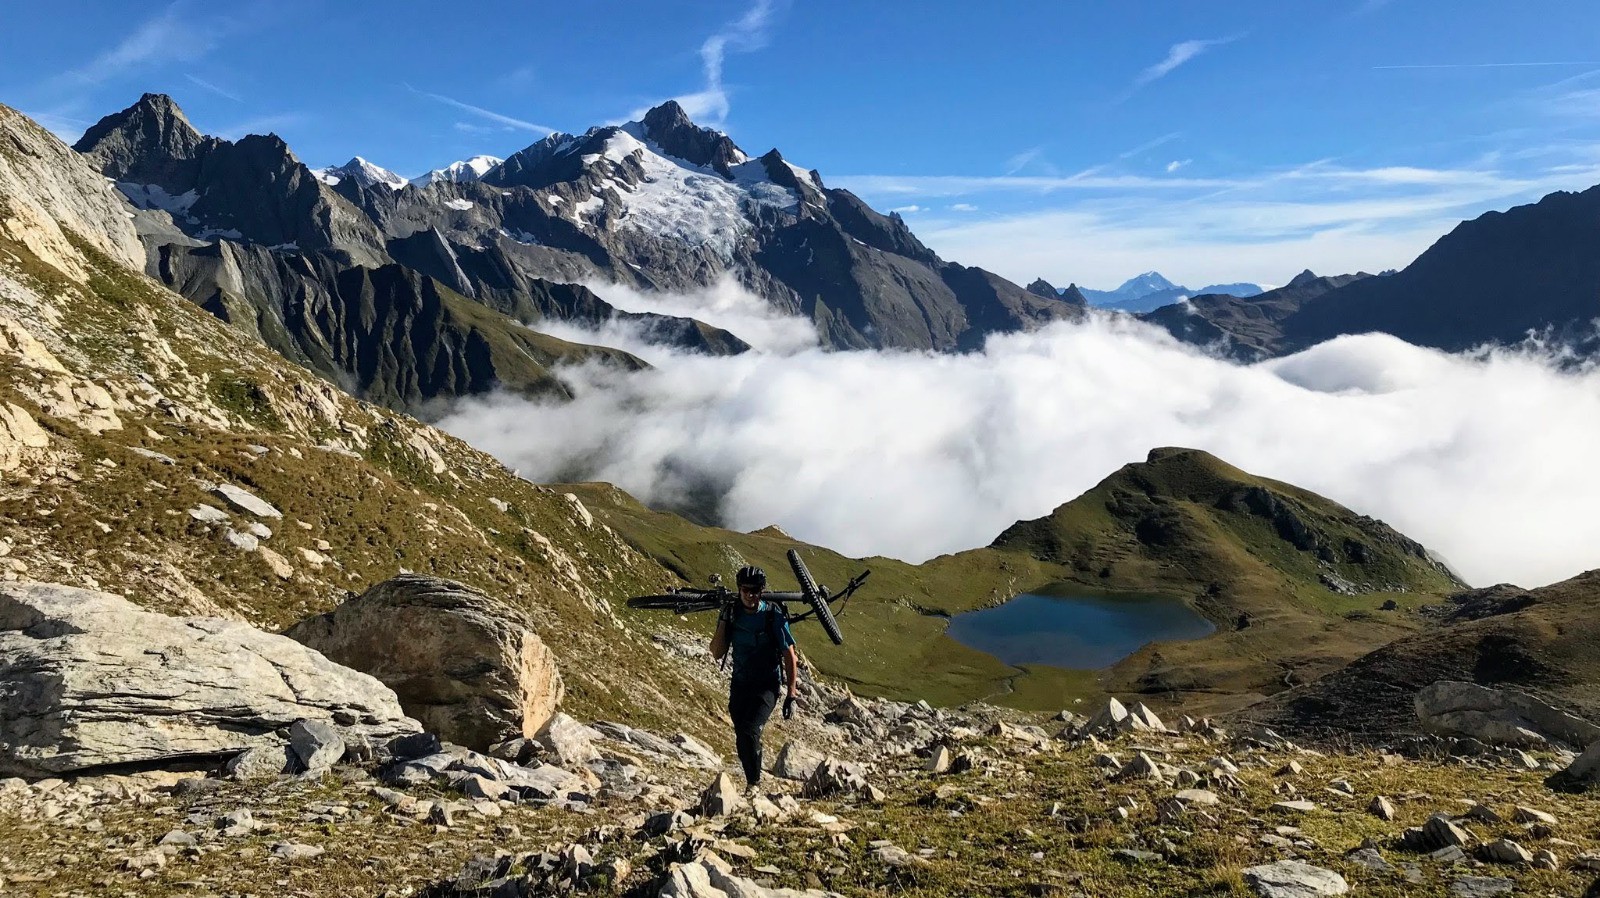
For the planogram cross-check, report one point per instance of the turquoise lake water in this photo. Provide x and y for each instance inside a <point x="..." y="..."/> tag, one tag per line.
<point x="1076" y="629"/>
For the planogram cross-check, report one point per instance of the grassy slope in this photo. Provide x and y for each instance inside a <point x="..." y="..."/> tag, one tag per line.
<point x="1180" y="524"/>
<point x="894" y="628"/>
<point x="1540" y="641"/>
<point x="1170" y="525"/>
<point x="98" y="514"/>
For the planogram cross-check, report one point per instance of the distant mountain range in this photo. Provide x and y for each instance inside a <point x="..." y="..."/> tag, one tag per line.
<point x="1151" y="290"/>
<point x="1501" y="278"/>
<point x="657" y="204"/>
<point x="460" y="265"/>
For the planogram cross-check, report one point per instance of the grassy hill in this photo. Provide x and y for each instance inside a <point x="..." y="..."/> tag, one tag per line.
<point x="1293" y="581"/>
<point x="1539" y="641"/>
<point x="1182" y="523"/>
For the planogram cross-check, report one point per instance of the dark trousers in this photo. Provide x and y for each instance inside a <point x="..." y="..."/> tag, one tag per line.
<point x="750" y="705"/>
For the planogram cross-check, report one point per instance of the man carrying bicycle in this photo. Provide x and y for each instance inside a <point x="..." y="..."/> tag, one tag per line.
<point x="764" y="659"/>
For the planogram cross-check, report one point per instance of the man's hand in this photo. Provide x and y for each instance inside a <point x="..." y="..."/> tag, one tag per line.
<point x="788" y="708"/>
<point x="728" y="612"/>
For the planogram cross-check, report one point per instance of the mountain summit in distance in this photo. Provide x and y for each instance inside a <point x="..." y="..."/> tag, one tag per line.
<point x="1152" y="290"/>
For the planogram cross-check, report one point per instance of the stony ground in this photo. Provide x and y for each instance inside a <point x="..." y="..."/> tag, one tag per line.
<point x="1020" y="811"/>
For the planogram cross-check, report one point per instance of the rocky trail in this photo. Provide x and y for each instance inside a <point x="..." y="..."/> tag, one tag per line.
<point x="864" y="797"/>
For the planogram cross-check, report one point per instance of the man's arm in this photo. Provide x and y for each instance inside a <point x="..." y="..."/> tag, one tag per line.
<point x="791" y="667"/>
<point x="719" y="642"/>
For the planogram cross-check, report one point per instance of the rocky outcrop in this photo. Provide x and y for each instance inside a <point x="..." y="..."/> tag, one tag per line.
<point x="469" y="667"/>
<point x="1294" y="879"/>
<point x="20" y="437"/>
<point x="1499" y="716"/>
<point x="1581" y="775"/>
<point x="50" y="197"/>
<point x="87" y="679"/>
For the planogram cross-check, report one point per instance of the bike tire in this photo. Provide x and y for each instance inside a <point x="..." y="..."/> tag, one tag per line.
<point x="662" y="601"/>
<point x="677" y="604"/>
<point x="813" y="597"/>
<point x="826" y="619"/>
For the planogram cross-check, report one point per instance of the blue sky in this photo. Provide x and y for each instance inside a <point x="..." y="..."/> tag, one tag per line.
<point x="1081" y="141"/>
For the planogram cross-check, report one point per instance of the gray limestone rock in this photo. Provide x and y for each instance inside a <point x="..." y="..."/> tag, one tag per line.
<point x="245" y="501"/>
<point x="1582" y="774"/>
<point x="411" y="632"/>
<point x="1482" y="886"/>
<point x="721" y="797"/>
<point x="1294" y="879"/>
<point x="1498" y="716"/>
<point x="796" y="762"/>
<point x="317" y="744"/>
<point x="569" y="743"/>
<point x="89" y="679"/>
<point x="261" y="762"/>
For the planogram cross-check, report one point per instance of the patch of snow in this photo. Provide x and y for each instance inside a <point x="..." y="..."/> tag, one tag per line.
<point x="589" y="205"/>
<point x="522" y="237"/>
<point x="156" y="197"/>
<point x="459" y="205"/>
<point x="290" y="247"/>
<point x="676" y="200"/>
<point x="554" y="199"/>
<point x="219" y="234"/>
<point x="802" y="175"/>
<point x="460" y="172"/>
<point x="362" y="172"/>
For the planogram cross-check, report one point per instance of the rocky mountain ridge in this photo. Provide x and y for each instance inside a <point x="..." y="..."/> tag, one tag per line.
<point x="1501" y="279"/>
<point x="658" y="204"/>
<point x="1150" y="290"/>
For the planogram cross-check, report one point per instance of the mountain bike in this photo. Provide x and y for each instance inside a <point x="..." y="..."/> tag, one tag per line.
<point x="818" y="599"/>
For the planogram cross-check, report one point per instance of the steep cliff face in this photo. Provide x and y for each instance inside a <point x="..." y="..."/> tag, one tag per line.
<point x="47" y="194"/>
<point x="253" y="189"/>
<point x="657" y="204"/>
<point x="388" y="335"/>
<point x="250" y="234"/>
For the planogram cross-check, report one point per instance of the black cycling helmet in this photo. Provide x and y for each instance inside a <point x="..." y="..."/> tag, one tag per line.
<point x="751" y="576"/>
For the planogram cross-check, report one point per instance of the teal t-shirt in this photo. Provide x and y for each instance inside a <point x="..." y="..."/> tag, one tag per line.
<point x="758" y="640"/>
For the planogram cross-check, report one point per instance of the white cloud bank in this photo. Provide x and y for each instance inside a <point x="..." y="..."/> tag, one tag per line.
<point x="1487" y="459"/>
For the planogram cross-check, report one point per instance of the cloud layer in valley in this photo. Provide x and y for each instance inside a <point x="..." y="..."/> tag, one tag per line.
<point x="1487" y="459"/>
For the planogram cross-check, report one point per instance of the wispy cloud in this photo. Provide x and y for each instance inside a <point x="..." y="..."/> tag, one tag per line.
<point x="175" y="34"/>
<point x="201" y="82"/>
<point x="1149" y="145"/>
<point x="1485" y="65"/>
<point x="908" y="209"/>
<point x="934" y="186"/>
<point x="1263" y="225"/>
<point x="710" y="104"/>
<point x="1177" y="55"/>
<point x="487" y="114"/>
<point x="963" y="207"/>
<point x="1176" y="164"/>
<point x="1030" y="158"/>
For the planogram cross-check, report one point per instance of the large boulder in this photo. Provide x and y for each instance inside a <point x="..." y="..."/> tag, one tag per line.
<point x="468" y="666"/>
<point x="1498" y="716"/>
<point x="89" y="679"/>
<point x="1581" y="775"/>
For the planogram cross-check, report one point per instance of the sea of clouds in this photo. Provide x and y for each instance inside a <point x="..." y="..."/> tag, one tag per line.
<point x="1488" y="458"/>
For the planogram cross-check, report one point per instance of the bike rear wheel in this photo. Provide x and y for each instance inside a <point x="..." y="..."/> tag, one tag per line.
<point x="814" y="598"/>
<point x="679" y="604"/>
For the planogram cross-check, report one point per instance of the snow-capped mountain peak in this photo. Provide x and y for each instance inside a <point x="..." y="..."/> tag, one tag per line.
<point x="459" y="172"/>
<point x="1145" y="284"/>
<point x="362" y="172"/>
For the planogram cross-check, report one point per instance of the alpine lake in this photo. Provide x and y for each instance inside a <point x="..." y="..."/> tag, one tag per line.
<point x="1074" y="628"/>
